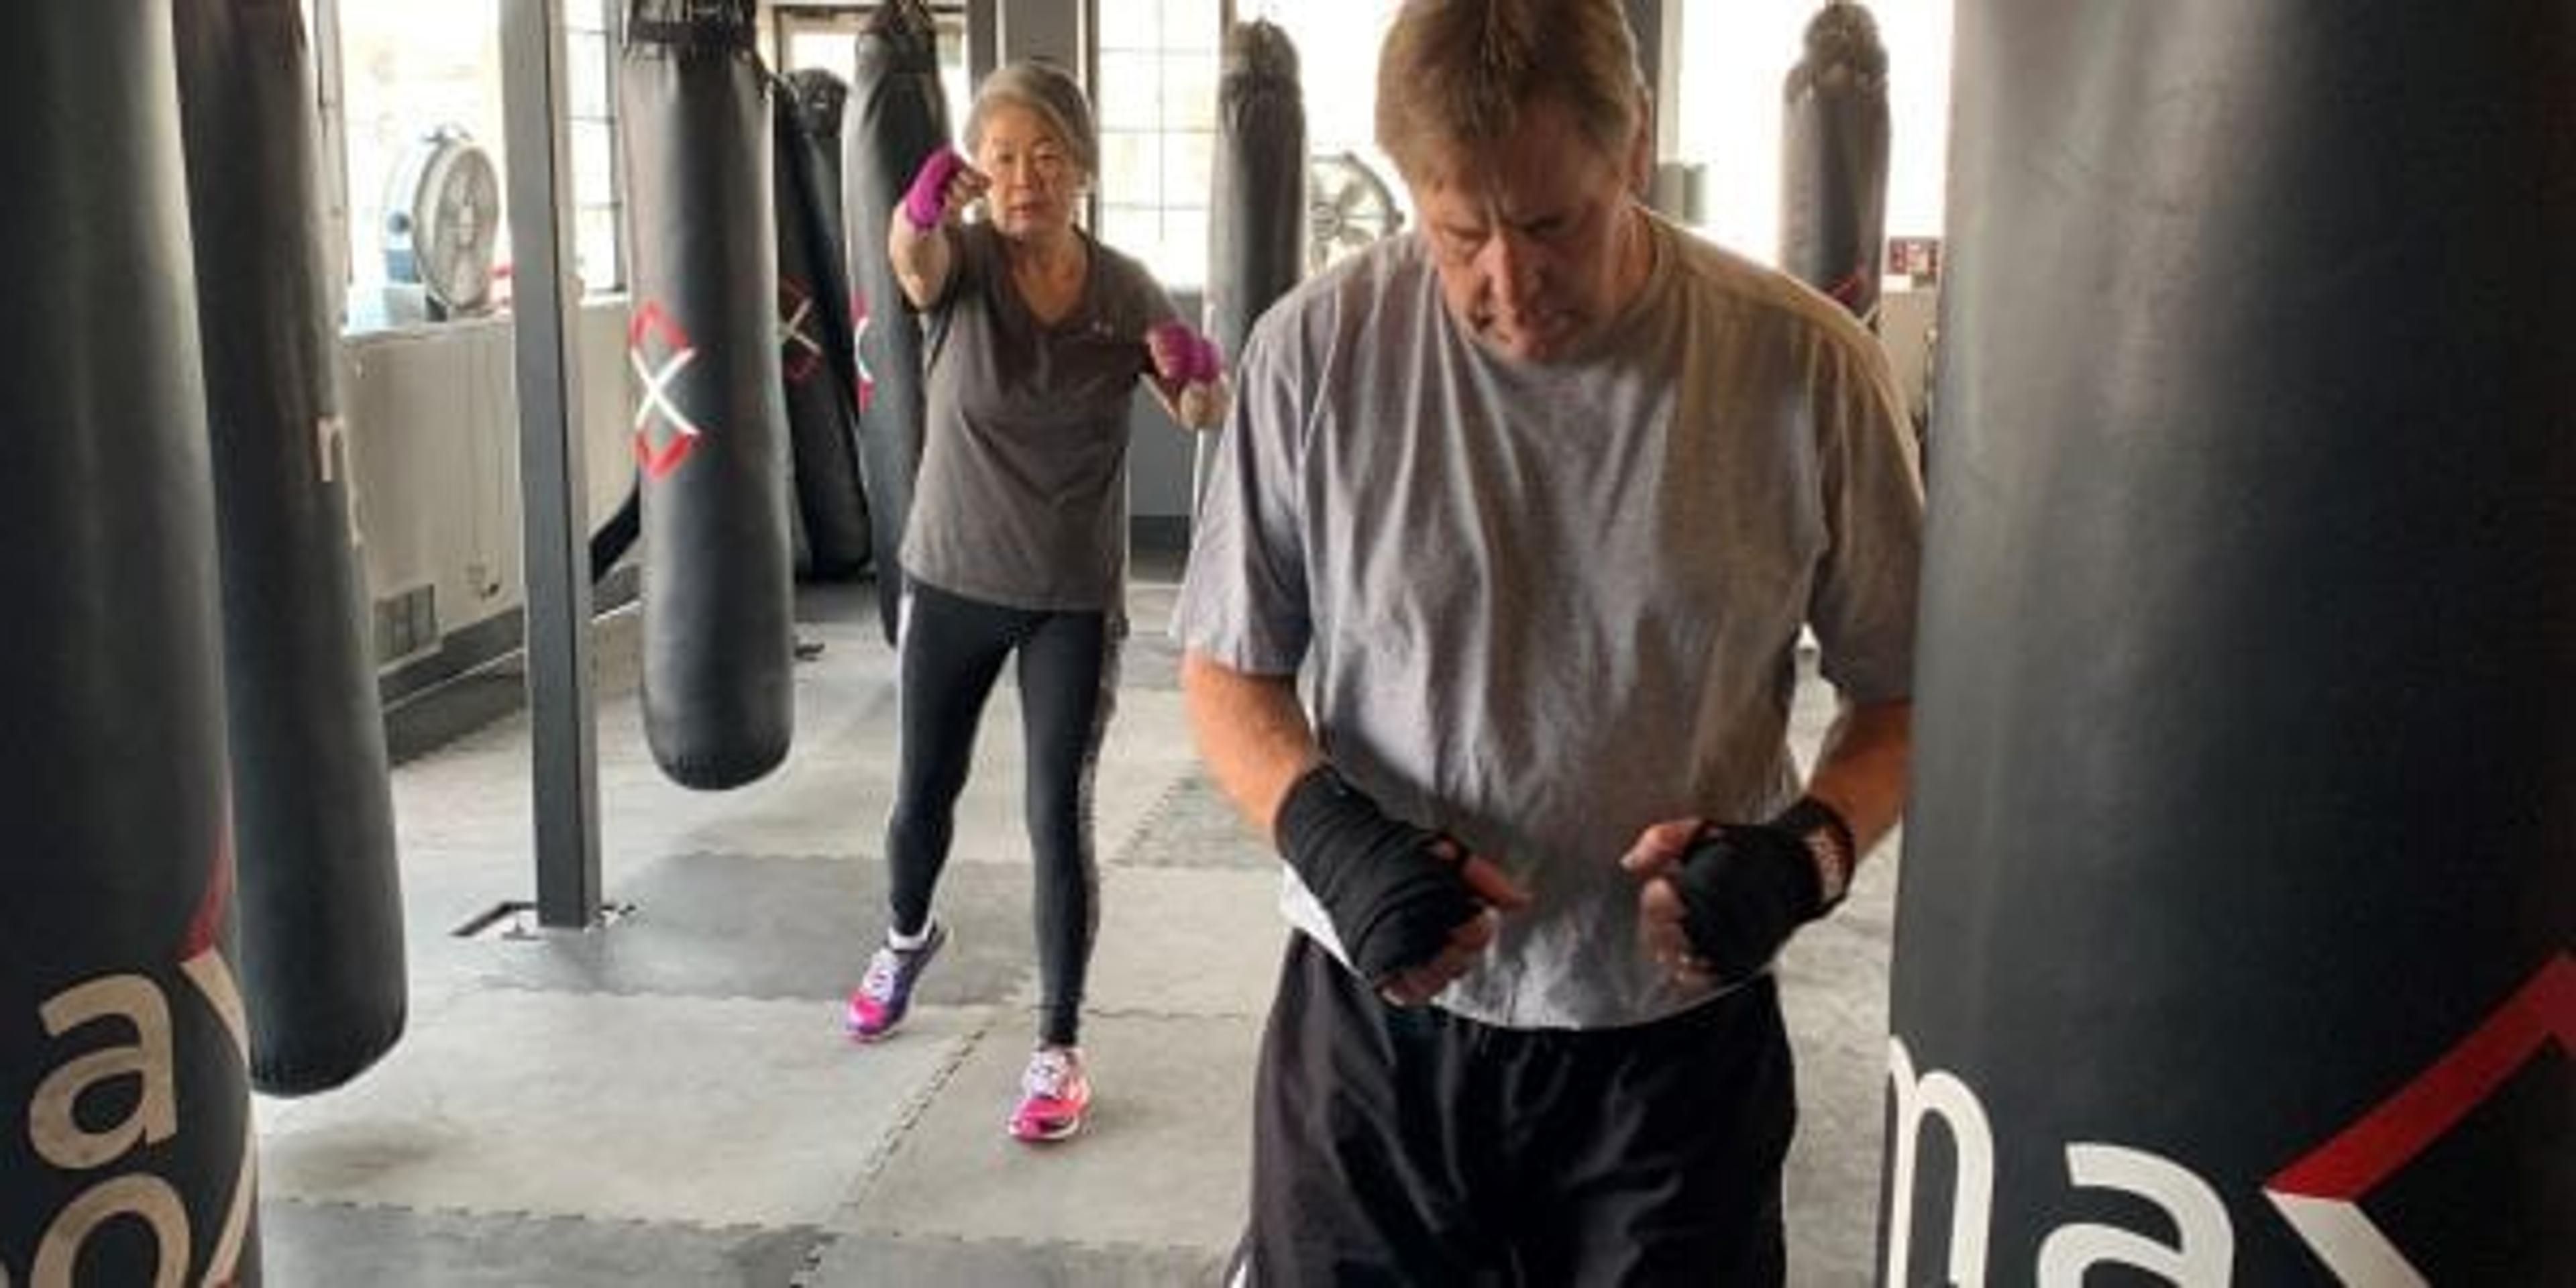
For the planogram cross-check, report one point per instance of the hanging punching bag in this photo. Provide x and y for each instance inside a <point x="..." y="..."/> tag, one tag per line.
<point x="822" y="103"/>
<point x="313" y="830"/>
<point x="125" y="1124"/>
<point x="1257" y="229"/>
<point x="2233" y="944"/>
<point x="901" y="117"/>
<point x="814" y="324"/>
<point x="711" y="421"/>
<point x="1833" y="159"/>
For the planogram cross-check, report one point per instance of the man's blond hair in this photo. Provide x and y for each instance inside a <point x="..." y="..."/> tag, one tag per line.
<point x="1455" y="75"/>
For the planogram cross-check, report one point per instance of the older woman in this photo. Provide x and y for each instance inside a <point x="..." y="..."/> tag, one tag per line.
<point x="1037" y="336"/>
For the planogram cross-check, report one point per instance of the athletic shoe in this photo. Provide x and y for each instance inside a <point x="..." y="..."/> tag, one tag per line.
<point x="1053" y="1095"/>
<point x="885" y="992"/>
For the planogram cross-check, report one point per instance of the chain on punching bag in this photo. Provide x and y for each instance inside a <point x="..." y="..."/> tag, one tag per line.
<point x="711" y="420"/>
<point x="900" y="117"/>
<point x="2233" y="942"/>
<point x="313" y="832"/>
<point x="1257" y="233"/>
<point x="814" y="324"/>
<point x="125" y="1125"/>
<point x="1833" y="160"/>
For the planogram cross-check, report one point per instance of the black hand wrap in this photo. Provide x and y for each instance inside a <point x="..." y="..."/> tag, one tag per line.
<point x="1746" y="887"/>
<point x="1393" y="896"/>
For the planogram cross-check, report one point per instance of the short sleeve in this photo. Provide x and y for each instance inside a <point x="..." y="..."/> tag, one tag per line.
<point x="1863" y="606"/>
<point x="1243" y="601"/>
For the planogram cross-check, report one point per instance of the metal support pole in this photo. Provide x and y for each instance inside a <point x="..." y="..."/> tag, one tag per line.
<point x="552" y="480"/>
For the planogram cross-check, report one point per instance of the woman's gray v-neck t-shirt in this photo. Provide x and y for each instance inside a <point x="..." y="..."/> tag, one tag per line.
<point x="1022" y="496"/>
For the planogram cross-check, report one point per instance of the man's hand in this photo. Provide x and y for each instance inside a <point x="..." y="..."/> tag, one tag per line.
<point x="1416" y="985"/>
<point x="1412" y="908"/>
<point x="1720" y="900"/>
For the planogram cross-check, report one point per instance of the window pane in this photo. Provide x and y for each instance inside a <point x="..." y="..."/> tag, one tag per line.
<point x="1133" y="229"/>
<point x="1189" y="92"/>
<point x="1130" y="172"/>
<point x="586" y="66"/>
<point x="1182" y="262"/>
<point x="1337" y="44"/>
<point x="595" y="248"/>
<point x="586" y="15"/>
<point x="1734" y="57"/>
<point x="1189" y="168"/>
<point x="1189" y="24"/>
<point x="1128" y="24"/>
<point x="594" y="174"/>
<point x="1128" y="95"/>
<point x="832" y="50"/>
<point x="406" y="70"/>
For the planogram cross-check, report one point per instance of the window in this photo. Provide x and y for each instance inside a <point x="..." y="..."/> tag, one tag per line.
<point x="1154" y="92"/>
<point x="407" y="69"/>
<point x="828" y="39"/>
<point x="590" y="64"/>
<point x="1735" y="57"/>
<point x="1337" y="46"/>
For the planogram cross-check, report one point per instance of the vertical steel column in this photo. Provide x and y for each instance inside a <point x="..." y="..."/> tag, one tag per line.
<point x="553" y="492"/>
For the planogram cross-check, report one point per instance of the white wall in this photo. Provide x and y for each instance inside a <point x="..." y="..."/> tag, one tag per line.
<point x="433" y="425"/>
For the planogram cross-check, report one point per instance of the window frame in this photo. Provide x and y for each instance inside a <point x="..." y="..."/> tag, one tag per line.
<point x="325" y="33"/>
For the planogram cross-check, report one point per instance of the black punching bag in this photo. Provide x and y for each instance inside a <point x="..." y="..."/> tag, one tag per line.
<point x="814" y="323"/>
<point x="125" y="1123"/>
<point x="313" y="831"/>
<point x="1257" y="225"/>
<point x="898" y="118"/>
<point x="2234" y="937"/>
<point x="1833" y="159"/>
<point x="711" y="421"/>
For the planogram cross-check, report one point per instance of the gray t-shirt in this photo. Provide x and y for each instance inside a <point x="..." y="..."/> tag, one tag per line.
<point x="1022" y="496"/>
<point x="1544" y="606"/>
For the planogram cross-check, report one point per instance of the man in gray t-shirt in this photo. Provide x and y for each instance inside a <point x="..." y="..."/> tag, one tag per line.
<point x="1491" y="620"/>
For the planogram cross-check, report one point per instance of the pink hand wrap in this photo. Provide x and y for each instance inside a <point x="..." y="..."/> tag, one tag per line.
<point x="1200" y="363"/>
<point x="925" y="203"/>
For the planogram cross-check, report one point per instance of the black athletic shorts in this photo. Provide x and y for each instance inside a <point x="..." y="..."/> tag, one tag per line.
<point x="1408" y="1146"/>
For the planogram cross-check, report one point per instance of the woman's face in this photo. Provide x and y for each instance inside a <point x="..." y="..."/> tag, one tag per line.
<point x="1035" y="182"/>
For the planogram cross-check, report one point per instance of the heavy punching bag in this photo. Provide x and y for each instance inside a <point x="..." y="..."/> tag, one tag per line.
<point x="1257" y="229"/>
<point x="2233" y="944"/>
<point x="898" y="118"/>
<point x="313" y="830"/>
<point x="711" y="421"/>
<point x="814" y="324"/>
<point x="1833" y="159"/>
<point x="125" y="1124"/>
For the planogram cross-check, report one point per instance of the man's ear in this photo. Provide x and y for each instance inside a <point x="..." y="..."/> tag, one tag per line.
<point x="1641" y="147"/>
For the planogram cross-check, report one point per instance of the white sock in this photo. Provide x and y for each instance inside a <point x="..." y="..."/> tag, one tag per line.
<point x="904" y="943"/>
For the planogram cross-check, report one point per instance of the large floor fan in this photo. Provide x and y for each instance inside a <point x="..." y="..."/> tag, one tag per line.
<point x="442" y="220"/>
<point x="1347" y="207"/>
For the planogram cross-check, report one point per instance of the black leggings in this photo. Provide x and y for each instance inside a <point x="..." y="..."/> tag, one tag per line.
<point x="952" y="652"/>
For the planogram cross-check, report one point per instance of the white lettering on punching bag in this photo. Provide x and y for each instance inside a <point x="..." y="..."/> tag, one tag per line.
<point x="54" y="1127"/>
<point x="53" y="1119"/>
<point x="2205" y="1255"/>
<point x="148" y="1197"/>
<point x="1973" y="1197"/>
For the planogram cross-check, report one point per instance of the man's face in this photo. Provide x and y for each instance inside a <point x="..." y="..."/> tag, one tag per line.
<point x="1535" y="236"/>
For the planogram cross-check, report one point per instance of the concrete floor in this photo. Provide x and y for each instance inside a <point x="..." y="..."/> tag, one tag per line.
<point x="669" y="1100"/>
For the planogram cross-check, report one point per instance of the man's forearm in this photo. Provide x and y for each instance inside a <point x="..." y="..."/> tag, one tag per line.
<point x="1252" y="733"/>
<point x="1861" y="771"/>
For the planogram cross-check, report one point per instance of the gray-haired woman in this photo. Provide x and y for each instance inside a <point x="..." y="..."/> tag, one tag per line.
<point x="1037" y="335"/>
